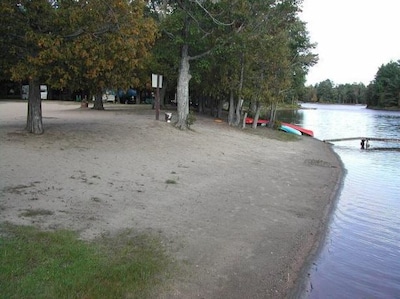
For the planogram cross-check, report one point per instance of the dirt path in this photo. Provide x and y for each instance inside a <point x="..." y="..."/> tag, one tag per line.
<point x="240" y="212"/>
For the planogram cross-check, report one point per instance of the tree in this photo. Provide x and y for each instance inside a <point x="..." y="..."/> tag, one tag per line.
<point x="26" y="25"/>
<point x="325" y="91"/>
<point x="302" y="59"/>
<point x="275" y="55"/>
<point x="80" y="45"/>
<point x="108" y="46"/>
<point x="195" y="28"/>
<point x="245" y="50"/>
<point x="385" y="89"/>
<point x="281" y="56"/>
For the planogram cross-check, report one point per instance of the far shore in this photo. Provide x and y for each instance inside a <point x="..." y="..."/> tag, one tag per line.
<point x="243" y="219"/>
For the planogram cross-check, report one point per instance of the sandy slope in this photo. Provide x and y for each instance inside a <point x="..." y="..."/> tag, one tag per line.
<point x="242" y="217"/>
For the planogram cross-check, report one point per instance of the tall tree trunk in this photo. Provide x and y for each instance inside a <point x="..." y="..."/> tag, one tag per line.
<point x="240" y="100"/>
<point x="183" y="89"/>
<point x="244" y="120"/>
<point x="231" y="113"/>
<point x="220" y="104"/>
<point x="163" y="92"/>
<point x="256" y="115"/>
<point x="34" y="122"/>
<point x="98" y="102"/>
<point x="201" y="105"/>
<point x="253" y="107"/>
<point x="272" y="118"/>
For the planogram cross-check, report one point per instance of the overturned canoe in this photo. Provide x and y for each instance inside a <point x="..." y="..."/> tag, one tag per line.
<point x="290" y="130"/>
<point x="264" y="122"/>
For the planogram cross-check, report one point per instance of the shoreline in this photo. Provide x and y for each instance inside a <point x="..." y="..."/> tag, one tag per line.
<point x="302" y="286"/>
<point x="243" y="219"/>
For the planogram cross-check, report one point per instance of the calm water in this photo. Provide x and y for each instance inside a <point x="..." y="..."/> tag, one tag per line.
<point x="360" y="257"/>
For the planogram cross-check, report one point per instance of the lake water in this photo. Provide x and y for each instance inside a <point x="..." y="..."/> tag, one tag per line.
<point x="360" y="257"/>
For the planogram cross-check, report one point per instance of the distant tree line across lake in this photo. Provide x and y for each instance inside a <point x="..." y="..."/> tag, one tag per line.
<point x="382" y="92"/>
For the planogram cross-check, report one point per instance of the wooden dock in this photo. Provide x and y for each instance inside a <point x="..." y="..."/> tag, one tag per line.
<point x="364" y="141"/>
<point x="363" y="138"/>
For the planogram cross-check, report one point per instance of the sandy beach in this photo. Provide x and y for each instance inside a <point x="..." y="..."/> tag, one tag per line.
<point x="241" y="213"/>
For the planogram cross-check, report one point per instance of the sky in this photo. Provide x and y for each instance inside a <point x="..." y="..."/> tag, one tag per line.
<point x="354" y="37"/>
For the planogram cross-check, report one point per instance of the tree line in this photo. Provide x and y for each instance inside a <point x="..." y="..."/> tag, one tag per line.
<point x="381" y="93"/>
<point x="249" y="53"/>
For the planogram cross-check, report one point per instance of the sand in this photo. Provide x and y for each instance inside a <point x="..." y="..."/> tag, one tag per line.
<point x="240" y="213"/>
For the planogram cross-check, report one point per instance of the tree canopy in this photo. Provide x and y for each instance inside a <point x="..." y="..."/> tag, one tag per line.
<point x="384" y="91"/>
<point x="88" y="45"/>
<point x="244" y="51"/>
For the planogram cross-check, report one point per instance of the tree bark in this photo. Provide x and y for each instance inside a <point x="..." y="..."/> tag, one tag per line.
<point x="240" y="101"/>
<point x="183" y="89"/>
<point x="201" y="105"/>
<point x="231" y="113"/>
<point x="256" y="115"/>
<point x="98" y="102"/>
<point x="34" y="123"/>
<point x="244" y="120"/>
<point x="272" y="118"/>
<point x="163" y="92"/>
<point x="220" y="104"/>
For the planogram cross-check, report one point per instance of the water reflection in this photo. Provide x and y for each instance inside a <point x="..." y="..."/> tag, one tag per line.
<point x="290" y="116"/>
<point x="361" y="254"/>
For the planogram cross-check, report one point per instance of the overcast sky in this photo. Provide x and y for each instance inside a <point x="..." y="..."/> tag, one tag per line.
<point x="355" y="37"/>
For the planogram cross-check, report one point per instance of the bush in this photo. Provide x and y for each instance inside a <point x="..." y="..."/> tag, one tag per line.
<point x="277" y="125"/>
<point x="191" y="118"/>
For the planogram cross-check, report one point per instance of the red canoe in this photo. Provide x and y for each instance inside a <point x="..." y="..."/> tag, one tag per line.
<point x="264" y="122"/>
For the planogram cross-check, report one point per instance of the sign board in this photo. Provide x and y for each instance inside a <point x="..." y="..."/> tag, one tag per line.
<point x="154" y="81"/>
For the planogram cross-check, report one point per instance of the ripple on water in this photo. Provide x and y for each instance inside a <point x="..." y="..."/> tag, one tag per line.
<point x="362" y="252"/>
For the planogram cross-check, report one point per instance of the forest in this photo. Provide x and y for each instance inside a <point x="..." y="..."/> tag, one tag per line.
<point x="382" y="92"/>
<point x="214" y="54"/>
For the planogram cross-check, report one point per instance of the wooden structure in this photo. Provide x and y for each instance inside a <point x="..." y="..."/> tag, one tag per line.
<point x="364" y="141"/>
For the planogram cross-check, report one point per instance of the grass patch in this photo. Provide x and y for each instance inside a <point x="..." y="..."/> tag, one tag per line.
<point x="170" y="181"/>
<point x="19" y="189"/>
<point x="95" y="199"/>
<point x="36" y="212"/>
<point x="272" y="134"/>
<point x="38" y="264"/>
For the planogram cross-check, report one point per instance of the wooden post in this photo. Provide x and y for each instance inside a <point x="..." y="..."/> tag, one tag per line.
<point x="158" y="98"/>
<point x="156" y="82"/>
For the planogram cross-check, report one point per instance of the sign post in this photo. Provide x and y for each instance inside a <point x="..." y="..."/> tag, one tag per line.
<point x="156" y="82"/>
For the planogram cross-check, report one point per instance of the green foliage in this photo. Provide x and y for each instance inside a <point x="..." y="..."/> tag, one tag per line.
<point x="90" y="45"/>
<point x="277" y="125"/>
<point x="384" y="91"/>
<point x="254" y="47"/>
<point x="36" y="212"/>
<point x="24" y="30"/>
<point x="191" y="118"/>
<point x="257" y="50"/>
<point x="327" y="92"/>
<point x="37" y="264"/>
<point x="171" y="182"/>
